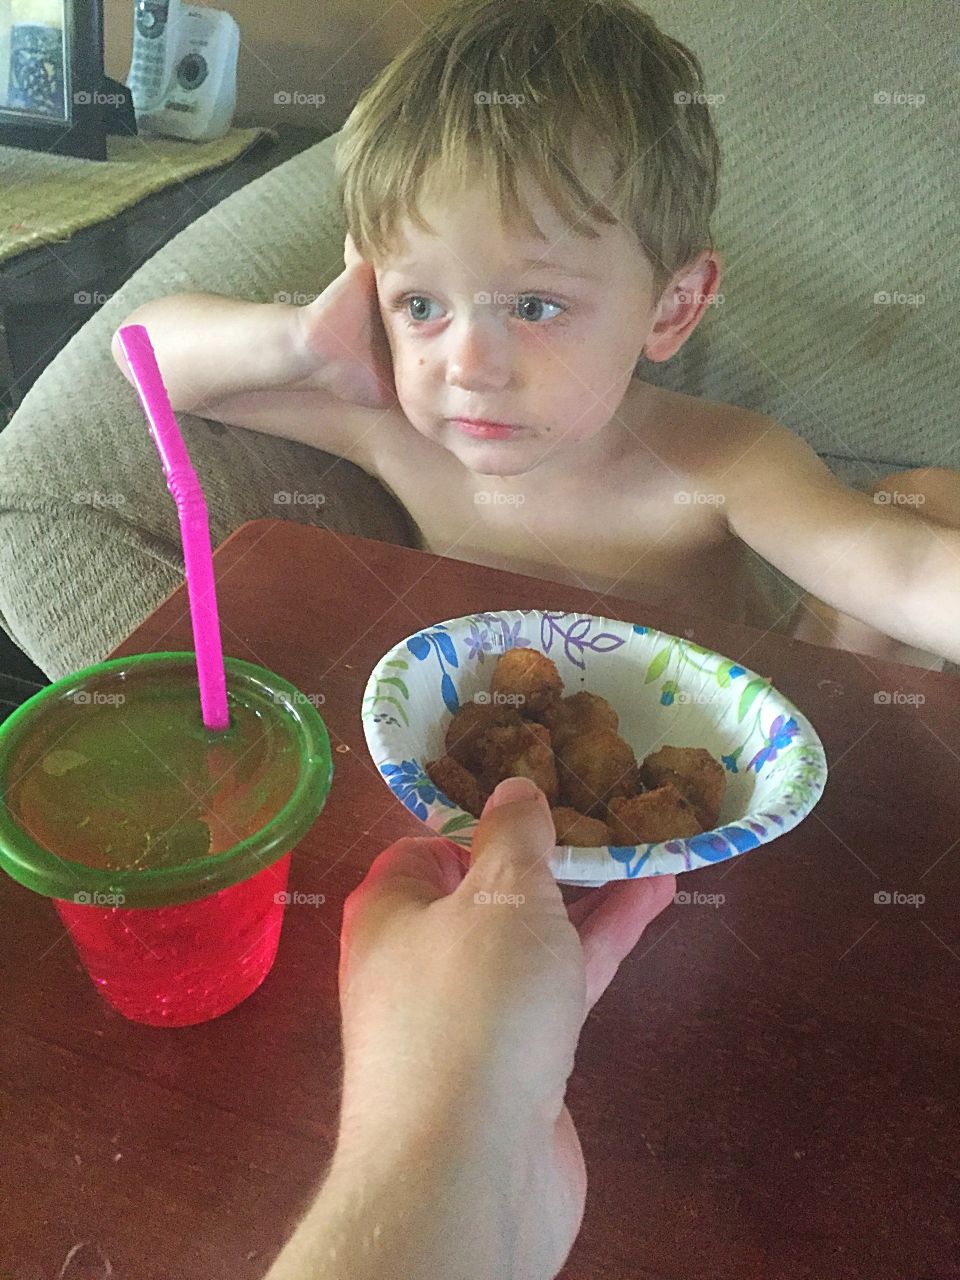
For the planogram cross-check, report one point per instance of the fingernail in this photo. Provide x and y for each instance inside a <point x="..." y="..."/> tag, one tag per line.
<point x="511" y="790"/>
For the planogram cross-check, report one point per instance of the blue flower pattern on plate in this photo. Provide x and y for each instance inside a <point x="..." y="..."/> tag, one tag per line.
<point x="437" y="638"/>
<point x="412" y="787"/>
<point x="781" y="732"/>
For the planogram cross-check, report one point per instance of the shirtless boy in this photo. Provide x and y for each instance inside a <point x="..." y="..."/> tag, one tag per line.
<point x="479" y="353"/>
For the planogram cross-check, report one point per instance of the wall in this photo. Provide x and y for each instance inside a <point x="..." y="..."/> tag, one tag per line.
<point x="298" y="48"/>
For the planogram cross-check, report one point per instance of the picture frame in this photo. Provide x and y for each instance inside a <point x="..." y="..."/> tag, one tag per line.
<point x="51" y="77"/>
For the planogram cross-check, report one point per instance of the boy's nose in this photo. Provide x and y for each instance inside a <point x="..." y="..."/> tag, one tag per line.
<point x="480" y="356"/>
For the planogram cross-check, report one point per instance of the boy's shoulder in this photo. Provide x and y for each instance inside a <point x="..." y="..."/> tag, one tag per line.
<point x="693" y="433"/>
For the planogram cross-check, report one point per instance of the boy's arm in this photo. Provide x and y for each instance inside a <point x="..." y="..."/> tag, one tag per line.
<point x="887" y="566"/>
<point x="209" y="347"/>
<point x="238" y="362"/>
<point x="320" y="374"/>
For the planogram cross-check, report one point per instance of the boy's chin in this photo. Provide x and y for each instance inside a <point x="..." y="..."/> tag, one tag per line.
<point x="494" y="459"/>
<point x="501" y="469"/>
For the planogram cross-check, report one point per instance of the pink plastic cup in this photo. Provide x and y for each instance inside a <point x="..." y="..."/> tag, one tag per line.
<point x="164" y="846"/>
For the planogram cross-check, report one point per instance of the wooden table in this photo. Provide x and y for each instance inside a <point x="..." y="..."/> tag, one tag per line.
<point x="769" y="1090"/>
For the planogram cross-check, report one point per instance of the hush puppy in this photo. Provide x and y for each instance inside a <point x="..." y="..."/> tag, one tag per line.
<point x="594" y="767"/>
<point x="698" y="777"/>
<point x="529" y="679"/>
<point x="661" y="814"/>
<point x="457" y="784"/>
<point x="468" y="726"/>
<point x="580" y="713"/>
<point x="522" y="750"/>
<point x="576" y="829"/>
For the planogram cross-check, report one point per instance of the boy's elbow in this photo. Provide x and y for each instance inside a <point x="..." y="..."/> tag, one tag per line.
<point x="119" y="358"/>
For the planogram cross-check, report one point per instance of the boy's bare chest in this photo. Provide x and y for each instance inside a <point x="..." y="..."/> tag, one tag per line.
<point x="624" y="538"/>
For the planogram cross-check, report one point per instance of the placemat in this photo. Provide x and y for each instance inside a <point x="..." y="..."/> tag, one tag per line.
<point x="45" y="198"/>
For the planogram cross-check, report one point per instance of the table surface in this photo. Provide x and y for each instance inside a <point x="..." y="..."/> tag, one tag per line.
<point x="769" y="1089"/>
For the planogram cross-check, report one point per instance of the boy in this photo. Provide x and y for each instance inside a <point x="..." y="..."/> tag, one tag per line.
<point x="527" y="190"/>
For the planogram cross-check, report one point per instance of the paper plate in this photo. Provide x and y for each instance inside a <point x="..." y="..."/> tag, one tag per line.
<point x="666" y="690"/>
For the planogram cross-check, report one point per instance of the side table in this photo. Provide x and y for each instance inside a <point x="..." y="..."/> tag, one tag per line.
<point x="38" y="288"/>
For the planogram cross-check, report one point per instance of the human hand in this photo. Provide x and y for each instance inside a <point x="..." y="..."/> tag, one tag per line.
<point x="463" y="994"/>
<point x="342" y="340"/>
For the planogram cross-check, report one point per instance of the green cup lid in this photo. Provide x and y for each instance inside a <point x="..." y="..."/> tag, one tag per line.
<point x="250" y="687"/>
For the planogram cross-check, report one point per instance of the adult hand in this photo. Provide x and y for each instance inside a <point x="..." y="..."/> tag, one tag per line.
<point x="471" y="986"/>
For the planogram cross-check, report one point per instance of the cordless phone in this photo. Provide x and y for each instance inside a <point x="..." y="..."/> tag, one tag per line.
<point x="183" y="76"/>
<point x="155" y="45"/>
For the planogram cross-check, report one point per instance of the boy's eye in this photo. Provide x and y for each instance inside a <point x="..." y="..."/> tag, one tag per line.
<point x="415" y="307"/>
<point x="419" y="305"/>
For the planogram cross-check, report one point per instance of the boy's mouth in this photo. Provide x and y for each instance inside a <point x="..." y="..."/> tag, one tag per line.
<point x="481" y="430"/>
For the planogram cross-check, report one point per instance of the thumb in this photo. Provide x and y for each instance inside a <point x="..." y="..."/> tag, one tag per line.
<point x="513" y="840"/>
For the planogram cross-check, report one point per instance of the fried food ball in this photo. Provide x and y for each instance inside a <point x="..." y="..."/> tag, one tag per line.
<point x="529" y="679"/>
<point x="576" y="829"/>
<point x="580" y="713"/>
<point x="468" y="726"/>
<point x="661" y="814"/>
<point x="593" y="768"/>
<point x="457" y="784"/>
<point x="695" y="773"/>
<point x="523" y="750"/>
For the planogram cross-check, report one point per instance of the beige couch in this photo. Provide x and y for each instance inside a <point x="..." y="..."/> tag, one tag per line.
<point x="829" y="199"/>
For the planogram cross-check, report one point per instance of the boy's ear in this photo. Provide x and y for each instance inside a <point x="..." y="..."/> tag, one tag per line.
<point x="681" y="305"/>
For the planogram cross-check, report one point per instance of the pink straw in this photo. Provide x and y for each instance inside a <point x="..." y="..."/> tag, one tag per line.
<point x="194" y="526"/>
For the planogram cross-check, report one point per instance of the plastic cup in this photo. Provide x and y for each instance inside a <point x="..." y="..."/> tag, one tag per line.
<point x="165" y="847"/>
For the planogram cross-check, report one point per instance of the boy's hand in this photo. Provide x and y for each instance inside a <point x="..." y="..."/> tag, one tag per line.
<point x="342" y="338"/>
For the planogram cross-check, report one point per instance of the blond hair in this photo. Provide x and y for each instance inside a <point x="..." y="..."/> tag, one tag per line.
<point x="548" y="69"/>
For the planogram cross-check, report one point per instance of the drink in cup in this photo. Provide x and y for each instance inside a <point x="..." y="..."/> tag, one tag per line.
<point x="164" y="846"/>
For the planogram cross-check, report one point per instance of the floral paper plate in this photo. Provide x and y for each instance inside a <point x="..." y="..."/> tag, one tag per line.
<point x="666" y="690"/>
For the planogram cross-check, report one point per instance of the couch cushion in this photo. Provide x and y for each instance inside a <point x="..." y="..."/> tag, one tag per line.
<point x="828" y="198"/>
